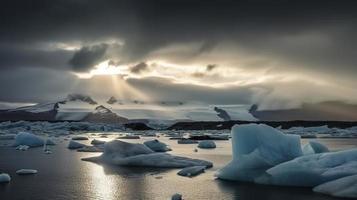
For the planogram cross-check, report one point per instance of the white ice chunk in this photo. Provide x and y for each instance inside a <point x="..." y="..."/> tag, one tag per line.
<point x="207" y="144"/>
<point x="312" y="170"/>
<point x="26" y="171"/>
<point x="31" y="140"/>
<point x="118" y="152"/>
<point x="343" y="187"/>
<point x="191" y="171"/>
<point x="256" y="148"/>
<point x="22" y="147"/>
<point x="75" y="145"/>
<point x="157" y="146"/>
<point x="4" y="178"/>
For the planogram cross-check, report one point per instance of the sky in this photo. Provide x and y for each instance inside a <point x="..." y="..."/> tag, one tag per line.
<point x="278" y="54"/>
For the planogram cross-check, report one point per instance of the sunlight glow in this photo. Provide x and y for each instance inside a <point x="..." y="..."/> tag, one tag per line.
<point x="104" y="68"/>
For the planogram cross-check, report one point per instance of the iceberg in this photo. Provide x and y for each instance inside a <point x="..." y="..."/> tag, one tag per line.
<point x="4" y="178"/>
<point x="31" y="140"/>
<point x="264" y="155"/>
<point x="314" y="147"/>
<point x="191" y="171"/>
<point x="26" y="171"/>
<point x="343" y="187"/>
<point x="75" y="145"/>
<point x="157" y="146"/>
<point x="122" y="153"/>
<point x="256" y="148"/>
<point x="206" y="144"/>
<point x="313" y="170"/>
<point x="97" y="142"/>
<point x="318" y="147"/>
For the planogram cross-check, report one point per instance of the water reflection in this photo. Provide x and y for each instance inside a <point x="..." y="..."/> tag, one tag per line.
<point x="247" y="191"/>
<point x="114" y="182"/>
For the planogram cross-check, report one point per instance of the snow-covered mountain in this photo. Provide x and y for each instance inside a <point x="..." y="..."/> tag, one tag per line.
<point x="43" y="111"/>
<point x="79" y="107"/>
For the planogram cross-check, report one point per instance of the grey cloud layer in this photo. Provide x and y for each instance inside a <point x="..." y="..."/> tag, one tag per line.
<point x="316" y="37"/>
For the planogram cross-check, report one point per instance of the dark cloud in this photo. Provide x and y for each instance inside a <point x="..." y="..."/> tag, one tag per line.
<point x="210" y="67"/>
<point x="308" y="37"/>
<point x="137" y="69"/>
<point x="13" y="57"/>
<point x="87" y="57"/>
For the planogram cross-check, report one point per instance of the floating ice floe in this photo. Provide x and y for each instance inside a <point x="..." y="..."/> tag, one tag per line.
<point x="26" y="171"/>
<point x="157" y="146"/>
<point x="256" y="148"/>
<point x="117" y="152"/>
<point x="343" y="187"/>
<point x="206" y="144"/>
<point x="22" y="147"/>
<point x="4" y="178"/>
<point x="75" y="145"/>
<point x="191" y="171"/>
<point x="31" y="140"/>
<point x="56" y="128"/>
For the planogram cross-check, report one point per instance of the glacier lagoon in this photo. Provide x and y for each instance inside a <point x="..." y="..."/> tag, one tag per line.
<point x="62" y="175"/>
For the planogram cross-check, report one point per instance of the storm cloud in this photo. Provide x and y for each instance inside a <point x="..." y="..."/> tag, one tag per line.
<point x="87" y="57"/>
<point x="230" y="42"/>
<point x="136" y="69"/>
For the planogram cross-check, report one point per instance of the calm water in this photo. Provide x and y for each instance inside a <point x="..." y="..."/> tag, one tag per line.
<point x="62" y="175"/>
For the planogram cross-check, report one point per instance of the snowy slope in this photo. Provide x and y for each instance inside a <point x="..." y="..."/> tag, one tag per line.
<point x="77" y="107"/>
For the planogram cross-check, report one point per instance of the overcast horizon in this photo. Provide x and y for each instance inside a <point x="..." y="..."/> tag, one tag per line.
<point x="278" y="54"/>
